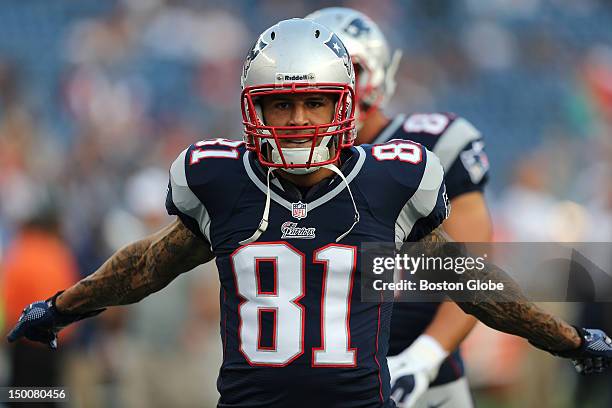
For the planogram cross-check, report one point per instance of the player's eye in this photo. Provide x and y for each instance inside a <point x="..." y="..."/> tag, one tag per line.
<point x="282" y="105"/>
<point x="314" y="104"/>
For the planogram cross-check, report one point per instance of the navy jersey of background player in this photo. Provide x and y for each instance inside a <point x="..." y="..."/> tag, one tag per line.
<point x="294" y="331"/>
<point x="460" y="149"/>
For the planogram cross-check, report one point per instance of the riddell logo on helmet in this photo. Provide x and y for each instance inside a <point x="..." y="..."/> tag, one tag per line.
<point x="295" y="77"/>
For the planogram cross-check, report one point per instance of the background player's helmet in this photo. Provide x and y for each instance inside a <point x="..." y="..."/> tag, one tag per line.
<point x="298" y="56"/>
<point x="375" y="67"/>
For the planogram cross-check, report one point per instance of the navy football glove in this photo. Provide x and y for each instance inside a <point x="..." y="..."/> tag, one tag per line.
<point x="41" y="321"/>
<point x="594" y="354"/>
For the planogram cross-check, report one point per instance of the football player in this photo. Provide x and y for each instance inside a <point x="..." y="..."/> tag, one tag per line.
<point x="294" y="331"/>
<point x="424" y="336"/>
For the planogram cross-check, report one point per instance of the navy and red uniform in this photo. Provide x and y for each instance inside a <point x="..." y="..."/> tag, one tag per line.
<point x="460" y="148"/>
<point x="294" y="331"/>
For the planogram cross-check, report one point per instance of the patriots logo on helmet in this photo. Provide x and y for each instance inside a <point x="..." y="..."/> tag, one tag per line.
<point x="339" y="49"/>
<point x="259" y="45"/>
<point x="357" y="27"/>
<point x="336" y="46"/>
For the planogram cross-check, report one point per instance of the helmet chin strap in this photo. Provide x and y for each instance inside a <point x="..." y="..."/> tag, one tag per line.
<point x="300" y="155"/>
<point x="336" y="170"/>
<point x="263" y="224"/>
<point x="297" y="155"/>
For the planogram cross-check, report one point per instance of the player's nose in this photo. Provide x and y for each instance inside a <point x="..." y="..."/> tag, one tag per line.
<point x="299" y="116"/>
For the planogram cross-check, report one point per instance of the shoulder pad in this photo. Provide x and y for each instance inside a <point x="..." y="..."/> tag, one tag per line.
<point x="405" y="161"/>
<point x="445" y="134"/>
<point x="199" y="170"/>
<point x="207" y="160"/>
<point x="429" y="123"/>
<point x="457" y="136"/>
<point x="417" y="179"/>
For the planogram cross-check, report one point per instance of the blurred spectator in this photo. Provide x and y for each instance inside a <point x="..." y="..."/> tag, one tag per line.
<point x="522" y="8"/>
<point x="490" y="46"/>
<point x="598" y="77"/>
<point x="525" y="209"/>
<point x="37" y="264"/>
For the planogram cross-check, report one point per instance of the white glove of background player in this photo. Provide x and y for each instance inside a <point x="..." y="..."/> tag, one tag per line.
<point x="414" y="369"/>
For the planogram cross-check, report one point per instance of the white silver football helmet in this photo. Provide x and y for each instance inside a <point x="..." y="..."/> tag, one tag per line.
<point x="293" y="57"/>
<point x="374" y="64"/>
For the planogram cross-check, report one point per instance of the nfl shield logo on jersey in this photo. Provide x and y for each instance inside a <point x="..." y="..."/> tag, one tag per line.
<point x="299" y="210"/>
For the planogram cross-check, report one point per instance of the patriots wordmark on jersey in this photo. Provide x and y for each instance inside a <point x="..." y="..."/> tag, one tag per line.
<point x="460" y="148"/>
<point x="294" y="330"/>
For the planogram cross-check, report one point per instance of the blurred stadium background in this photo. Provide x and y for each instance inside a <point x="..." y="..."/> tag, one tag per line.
<point x="97" y="98"/>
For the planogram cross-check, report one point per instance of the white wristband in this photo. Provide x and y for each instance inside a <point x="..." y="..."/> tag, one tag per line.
<point x="426" y="345"/>
<point x="429" y="352"/>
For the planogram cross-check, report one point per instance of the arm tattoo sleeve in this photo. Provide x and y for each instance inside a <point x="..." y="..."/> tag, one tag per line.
<point x="137" y="270"/>
<point x="509" y="310"/>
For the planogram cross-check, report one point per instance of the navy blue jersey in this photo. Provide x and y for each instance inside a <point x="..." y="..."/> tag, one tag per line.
<point x="294" y="331"/>
<point x="460" y="149"/>
<point x="456" y="142"/>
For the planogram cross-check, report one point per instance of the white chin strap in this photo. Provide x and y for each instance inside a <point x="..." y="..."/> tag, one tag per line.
<point x="300" y="155"/>
<point x="263" y="224"/>
<point x="336" y="170"/>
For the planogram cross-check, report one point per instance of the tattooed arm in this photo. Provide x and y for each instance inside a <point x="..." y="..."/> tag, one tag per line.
<point x="508" y="310"/>
<point x="137" y="270"/>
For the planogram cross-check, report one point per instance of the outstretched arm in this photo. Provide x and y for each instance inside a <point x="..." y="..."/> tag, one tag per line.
<point x="132" y="273"/>
<point x="137" y="270"/>
<point x="509" y="310"/>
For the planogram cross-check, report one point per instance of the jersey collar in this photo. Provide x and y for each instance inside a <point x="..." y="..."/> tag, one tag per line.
<point x="350" y="168"/>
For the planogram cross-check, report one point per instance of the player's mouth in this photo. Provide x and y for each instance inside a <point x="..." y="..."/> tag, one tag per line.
<point x="296" y="143"/>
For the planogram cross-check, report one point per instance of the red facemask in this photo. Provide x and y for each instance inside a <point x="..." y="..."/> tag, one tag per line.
<point x="257" y="133"/>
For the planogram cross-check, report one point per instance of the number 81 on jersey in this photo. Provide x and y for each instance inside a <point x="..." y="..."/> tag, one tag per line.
<point x="339" y="262"/>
